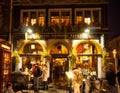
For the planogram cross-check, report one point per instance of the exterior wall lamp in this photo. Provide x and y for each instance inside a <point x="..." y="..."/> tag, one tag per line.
<point x="28" y="31"/>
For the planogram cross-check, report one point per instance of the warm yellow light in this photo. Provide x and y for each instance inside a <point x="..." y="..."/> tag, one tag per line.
<point x="114" y="53"/>
<point x="87" y="20"/>
<point x="29" y="30"/>
<point x="87" y="30"/>
<point x="85" y="35"/>
<point x="5" y="46"/>
<point x="32" y="46"/>
<point x="69" y="74"/>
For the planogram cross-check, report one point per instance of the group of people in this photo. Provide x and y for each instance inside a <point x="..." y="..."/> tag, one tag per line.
<point x="77" y="81"/>
<point x="112" y="81"/>
<point x="40" y="72"/>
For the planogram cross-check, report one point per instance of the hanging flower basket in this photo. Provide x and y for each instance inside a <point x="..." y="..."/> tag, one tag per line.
<point x="72" y="60"/>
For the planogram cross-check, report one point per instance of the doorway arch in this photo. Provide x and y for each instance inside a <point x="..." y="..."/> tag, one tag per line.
<point x="90" y="56"/>
<point x="30" y="52"/>
<point x="59" y="51"/>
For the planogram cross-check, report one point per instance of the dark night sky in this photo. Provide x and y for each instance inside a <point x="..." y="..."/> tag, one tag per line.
<point x="114" y="17"/>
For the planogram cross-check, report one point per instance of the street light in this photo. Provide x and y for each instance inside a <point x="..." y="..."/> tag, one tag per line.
<point x="85" y="34"/>
<point x="70" y="77"/>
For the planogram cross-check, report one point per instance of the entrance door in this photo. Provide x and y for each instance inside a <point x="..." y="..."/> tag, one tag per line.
<point x="58" y="67"/>
<point x="59" y="63"/>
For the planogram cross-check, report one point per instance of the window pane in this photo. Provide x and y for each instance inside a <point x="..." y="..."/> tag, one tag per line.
<point x="33" y="18"/>
<point x="65" y="17"/>
<point x="96" y="18"/>
<point x="33" y="15"/>
<point x="87" y="13"/>
<point x="79" y="17"/>
<point x="87" y="18"/>
<point x="54" y="18"/>
<point x="25" y="18"/>
<point x="41" y="18"/>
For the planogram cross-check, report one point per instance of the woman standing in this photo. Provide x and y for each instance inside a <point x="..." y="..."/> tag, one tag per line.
<point x="45" y="77"/>
<point x="77" y="80"/>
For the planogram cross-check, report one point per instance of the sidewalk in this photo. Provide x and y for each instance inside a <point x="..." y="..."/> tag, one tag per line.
<point x="51" y="89"/>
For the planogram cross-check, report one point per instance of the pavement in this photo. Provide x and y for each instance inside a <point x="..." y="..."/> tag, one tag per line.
<point x="50" y="90"/>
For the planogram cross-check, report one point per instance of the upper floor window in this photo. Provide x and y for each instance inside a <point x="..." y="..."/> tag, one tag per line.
<point x="59" y="16"/>
<point x="33" y="17"/>
<point x="88" y="16"/>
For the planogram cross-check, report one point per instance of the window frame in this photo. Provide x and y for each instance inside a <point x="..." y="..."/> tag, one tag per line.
<point x="32" y="10"/>
<point x="91" y="11"/>
<point x="60" y="10"/>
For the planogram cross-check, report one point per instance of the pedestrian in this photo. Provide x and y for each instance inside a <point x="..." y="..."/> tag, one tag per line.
<point x="77" y="79"/>
<point x="94" y="86"/>
<point x="87" y="83"/>
<point x="111" y="78"/>
<point x="10" y="89"/>
<point x="45" y="77"/>
<point x="37" y="72"/>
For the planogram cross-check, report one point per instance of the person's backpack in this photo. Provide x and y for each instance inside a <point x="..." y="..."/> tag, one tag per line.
<point x="39" y="71"/>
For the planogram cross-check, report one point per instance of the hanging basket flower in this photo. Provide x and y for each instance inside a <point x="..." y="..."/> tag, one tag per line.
<point x="72" y="60"/>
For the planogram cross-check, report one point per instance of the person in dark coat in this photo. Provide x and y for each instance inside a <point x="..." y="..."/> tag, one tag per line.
<point x="111" y="78"/>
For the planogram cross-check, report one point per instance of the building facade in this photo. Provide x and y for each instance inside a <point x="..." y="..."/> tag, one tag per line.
<point x="61" y="34"/>
<point x="114" y="49"/>
<point x="4" y="23"/>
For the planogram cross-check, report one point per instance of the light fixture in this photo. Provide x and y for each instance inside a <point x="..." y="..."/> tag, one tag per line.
<point x="32" y="46"/>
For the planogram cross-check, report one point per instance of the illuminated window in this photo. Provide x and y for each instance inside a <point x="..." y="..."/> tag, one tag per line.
<point x="33" y="17"/>
<point x="33" y="20"/>
<point x="79" y="17"/>
<point x="59" y="49"/>
<point x="25" y="18"/>
<point x="55" y="18"/>
<point x="65" y="17"/>
<point x="87" y="20"/>
<point x="60" y="16"/>
<point x="41" y="18"/>
<point x="88" y="16"/>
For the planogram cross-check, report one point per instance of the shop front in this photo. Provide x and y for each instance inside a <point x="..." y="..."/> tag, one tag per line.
<point x="62" y="56"/>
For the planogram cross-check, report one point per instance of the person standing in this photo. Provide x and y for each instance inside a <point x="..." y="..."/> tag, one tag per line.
<point x="77" y="80"/>
<point x="36" y="71"/>
<point x="111" y="78"/>
<point x="45" y="77"/>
